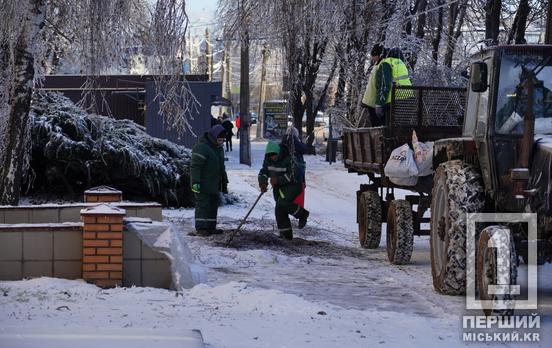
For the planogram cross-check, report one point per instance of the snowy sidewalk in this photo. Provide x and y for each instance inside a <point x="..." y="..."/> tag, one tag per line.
<point x="320" y="290"/>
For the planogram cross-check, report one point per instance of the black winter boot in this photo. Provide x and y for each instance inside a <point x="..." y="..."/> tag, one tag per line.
<point x="302" y="215"/>
<point x="287" y="234"/>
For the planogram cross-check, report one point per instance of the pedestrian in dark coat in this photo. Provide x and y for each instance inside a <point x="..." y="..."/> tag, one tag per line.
<point x="227" y="124"/>
<point x="214" y="121"/>
<point x="208" y="178"/>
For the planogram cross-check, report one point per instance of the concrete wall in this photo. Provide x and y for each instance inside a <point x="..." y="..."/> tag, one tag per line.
<point x="36" y="251"/>
<point x="56" y="251"/>
<point x="52" y="213"/>
<point x="47" y="240"/>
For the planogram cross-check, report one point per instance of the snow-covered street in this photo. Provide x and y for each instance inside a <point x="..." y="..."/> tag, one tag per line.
<point x="319" y="290"/>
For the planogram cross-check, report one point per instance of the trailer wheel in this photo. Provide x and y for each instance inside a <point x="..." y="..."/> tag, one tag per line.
<point x="400" y="232"/>
<point x="488" y="262"/>
<point x="457" y="190"/>
<point x="369" y="220"/>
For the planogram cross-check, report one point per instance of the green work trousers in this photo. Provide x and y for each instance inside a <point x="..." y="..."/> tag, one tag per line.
<point x="284" y="197"/>
<point x="206" y="207"/>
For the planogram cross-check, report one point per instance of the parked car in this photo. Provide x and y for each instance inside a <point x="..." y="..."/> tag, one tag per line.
<point x="321" y="119"/>
<point x="253" y="117"/>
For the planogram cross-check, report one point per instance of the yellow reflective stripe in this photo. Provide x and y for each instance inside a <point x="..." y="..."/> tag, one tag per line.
<point x="200" y="155"/>
<point x="281" y="194"/>
<point x="277" y="169"/>
<point x="398" y="78"/>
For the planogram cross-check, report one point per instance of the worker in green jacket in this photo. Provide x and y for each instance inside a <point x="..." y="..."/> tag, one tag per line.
<point x="208" y="179"/>
<point x="369" y="99"/>
<point x="391" y="70"/>
<point x="282" y="171"/>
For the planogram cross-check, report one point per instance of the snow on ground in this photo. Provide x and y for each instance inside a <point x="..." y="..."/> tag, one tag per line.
<point x="319" y="290"/>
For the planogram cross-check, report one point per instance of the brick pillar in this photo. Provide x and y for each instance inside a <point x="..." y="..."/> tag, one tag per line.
<point x="102" y="194"/>
<point x="102" y="245"/>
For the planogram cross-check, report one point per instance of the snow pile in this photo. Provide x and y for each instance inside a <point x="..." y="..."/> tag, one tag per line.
<point x="73" y="150"/>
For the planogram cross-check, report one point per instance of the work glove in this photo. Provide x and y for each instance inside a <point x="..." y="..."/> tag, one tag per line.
<point x="195" y="188"/>
<point x="264" y="187"/>
<point x="379" y="111"/>
<point x="273" y="181"/>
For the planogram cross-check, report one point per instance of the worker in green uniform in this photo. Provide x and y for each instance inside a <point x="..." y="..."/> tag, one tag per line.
<point x="369" y="99"/>
<point x="282" y="171"/>
<point x="208" y="178"/>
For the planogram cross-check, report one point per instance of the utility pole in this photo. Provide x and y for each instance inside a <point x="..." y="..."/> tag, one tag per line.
<point x="228" y="82"/>
<point x="245" y="146"/>
<point x="260" y="116"/>
<point x="208" y="54"/>
<point x="190" y="51"/>
<point x="548" y="33"/>
<point x="226" y="76"/>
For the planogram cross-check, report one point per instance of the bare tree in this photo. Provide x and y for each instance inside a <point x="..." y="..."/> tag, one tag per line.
<point x="517" y="33"/>
<point x="492" y="19"/>
<point x="352" y="50"/>
<point x="96" y="36"/>
<point x="18" y="74"/>
<point x="456" y="14"/>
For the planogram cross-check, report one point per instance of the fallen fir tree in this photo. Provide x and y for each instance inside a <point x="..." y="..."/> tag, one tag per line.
<point x="72" y="150"/>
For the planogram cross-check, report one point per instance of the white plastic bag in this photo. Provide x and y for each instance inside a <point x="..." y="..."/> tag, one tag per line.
<point x="411" y="181"/>
<point x="423" y="154"/>
<point x="401" y="167"/>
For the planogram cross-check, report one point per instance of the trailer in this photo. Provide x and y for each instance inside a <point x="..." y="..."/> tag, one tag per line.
<point x="434" y="113"/>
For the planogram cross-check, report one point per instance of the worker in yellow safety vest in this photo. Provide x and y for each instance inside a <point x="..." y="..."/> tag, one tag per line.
<point x="391" y="70"/>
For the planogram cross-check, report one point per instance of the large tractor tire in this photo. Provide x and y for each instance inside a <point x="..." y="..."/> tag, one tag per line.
<point x="400" y="232"/>
<point x="487" y="265"/>
<point x="457" y="190"/>
<point x="369" y="220"/>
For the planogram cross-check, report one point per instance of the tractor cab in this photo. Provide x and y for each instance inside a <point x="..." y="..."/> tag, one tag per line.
<point x="509" y="113"/>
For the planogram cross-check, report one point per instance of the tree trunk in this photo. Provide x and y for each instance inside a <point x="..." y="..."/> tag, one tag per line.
<point x="437" y="39"/>
<point x="341" y="77"/>
<point x="388" y="10"/>
<point x="548" y="34"/>
<point x="420" y="27"/>
<point x="245" y="146"/>
<point x="456" y="21"/>
<point x="13" y="156"/>
<point x="260" y="116"/>
<point x="517" y="33"/>
<point x="492" y="19"/>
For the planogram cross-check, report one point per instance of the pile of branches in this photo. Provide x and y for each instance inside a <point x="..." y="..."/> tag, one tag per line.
<point x="72" y="150"/>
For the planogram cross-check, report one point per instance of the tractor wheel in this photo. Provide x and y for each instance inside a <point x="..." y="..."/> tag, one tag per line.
<point x="400" y="232"/>
<point x="457" y="190"/>
<point x="489" y="262"/>
<point x="369" y="220"/>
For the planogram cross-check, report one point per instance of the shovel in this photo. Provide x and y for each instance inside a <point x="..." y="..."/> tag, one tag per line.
<point x="244" y="219"/>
